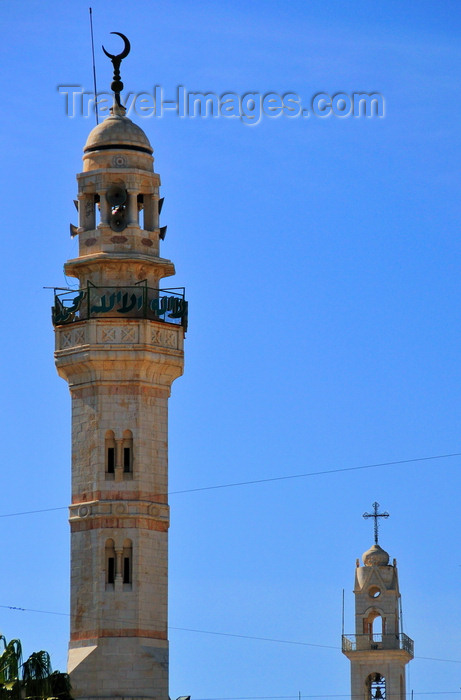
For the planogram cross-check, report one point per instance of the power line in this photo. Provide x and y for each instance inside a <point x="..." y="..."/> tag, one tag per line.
<point x="182" y="629"/>
<point x="319" y="473"/>
<point x="270" y="479"/>
<point x="219" y="634"/>
<point x="29" y="512"/>
<point x="260" y="639"/>
<point x="290" y="697"/>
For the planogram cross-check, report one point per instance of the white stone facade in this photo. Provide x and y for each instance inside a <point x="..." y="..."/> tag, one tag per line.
<point x="120" y="368"/>
<point x="378" y="651"/>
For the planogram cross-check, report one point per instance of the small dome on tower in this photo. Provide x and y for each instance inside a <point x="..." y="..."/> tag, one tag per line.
<point x="375" y="556"/>
<point x="117" y="132"/>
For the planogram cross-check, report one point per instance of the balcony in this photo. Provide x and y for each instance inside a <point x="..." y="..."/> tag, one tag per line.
<point x="372" y="642"/>
<point x="138" y="301"/>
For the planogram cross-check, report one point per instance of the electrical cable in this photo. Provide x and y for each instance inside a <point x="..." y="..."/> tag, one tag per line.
<point x="306" y="474"/>
<point x="270" y="479"/>
<point x="220" y="634"/>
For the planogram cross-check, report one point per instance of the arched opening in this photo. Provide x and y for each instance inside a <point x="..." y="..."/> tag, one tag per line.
<point x="110" y="452"/>
<point x="127" y="563"/>
<point x="375" y="687"/>
<point x="127" y="449"/>
<point x="374" y="626"/>
<point x="377" y="625"/>
<point x="110" y="567"/>
<point x="141" y="211"/>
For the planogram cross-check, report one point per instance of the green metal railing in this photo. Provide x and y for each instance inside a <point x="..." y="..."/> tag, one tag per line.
<point x="137" y="301"/>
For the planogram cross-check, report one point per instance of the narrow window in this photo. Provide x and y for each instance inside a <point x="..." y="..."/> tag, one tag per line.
<point x="126" y="459"/>
<point x="110" y="569"/>
<point x="110" y="454"/>
<point x="111" y="460"/>
<point x="127" y="559"/>
<point x="127" y="452"/>
<point x="140" y="204"/>
<point x="110" y="565"/>
<point x="126" y="570"/>
<point x="96" y="210"/>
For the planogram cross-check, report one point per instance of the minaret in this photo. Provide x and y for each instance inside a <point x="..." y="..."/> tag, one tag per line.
<point x="378" y="651"/>
<point x="119" y="345"/>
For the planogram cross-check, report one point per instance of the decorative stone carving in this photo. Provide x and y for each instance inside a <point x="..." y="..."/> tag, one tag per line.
<point x="129" y="335"/>
<point x="71" y="338"/>
<point x="165" y="338"/>
<point x="109" y="335"/>
<point x="66" y="340"/>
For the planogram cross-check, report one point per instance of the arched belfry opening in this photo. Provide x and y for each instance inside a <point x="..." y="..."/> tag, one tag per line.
<point x="374" y="624"/>
<point x="379" y="650"/>
<point x="375" y="687"/>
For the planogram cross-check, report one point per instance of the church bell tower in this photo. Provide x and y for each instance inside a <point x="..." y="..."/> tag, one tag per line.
<point x="119" y="345"/>
<point x="378" y="651"/>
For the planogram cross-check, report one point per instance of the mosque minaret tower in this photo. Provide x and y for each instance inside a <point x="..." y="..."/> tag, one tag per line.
<point x="119" y="345"/>
<point x="379" y="650"/>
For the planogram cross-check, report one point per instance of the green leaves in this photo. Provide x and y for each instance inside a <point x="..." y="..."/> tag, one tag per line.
<point x="32" y="680"/>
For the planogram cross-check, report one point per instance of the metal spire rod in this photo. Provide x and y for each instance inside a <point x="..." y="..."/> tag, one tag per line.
<point x="94" y="68"/>
<point x="376" y="515"/>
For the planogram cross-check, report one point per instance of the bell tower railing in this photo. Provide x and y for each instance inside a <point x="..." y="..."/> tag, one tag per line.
<point x="372" y="642"/>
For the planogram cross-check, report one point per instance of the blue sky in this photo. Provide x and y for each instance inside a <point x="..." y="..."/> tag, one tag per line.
<point x="321" y="260"/>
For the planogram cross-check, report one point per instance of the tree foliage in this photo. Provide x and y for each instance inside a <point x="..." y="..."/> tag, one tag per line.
<point x="32" y="679"/>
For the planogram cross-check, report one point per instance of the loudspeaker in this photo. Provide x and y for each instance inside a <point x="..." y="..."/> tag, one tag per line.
<point x="73" y="230"/>
<point x="116" y="196"/>
<point x="118" y="219"/>
<point x="162" y="233"/>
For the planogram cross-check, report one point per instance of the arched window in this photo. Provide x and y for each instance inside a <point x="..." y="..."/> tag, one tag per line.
<point x="374" y="625"/>
<point x="110" y="452"/>
<point x="127" y="562"/>
<point x="127" y="452"/>
<point x="110" y="567"/>
<point x="378" y="625"/>
<point x="376" y="687"/>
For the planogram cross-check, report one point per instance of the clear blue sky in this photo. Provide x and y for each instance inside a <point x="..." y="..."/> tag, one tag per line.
<point x="321" y="259"/>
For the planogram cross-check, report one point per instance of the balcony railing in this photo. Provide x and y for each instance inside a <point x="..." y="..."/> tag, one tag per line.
<point x="138" y="301"/>
<point x="370" y="642"/>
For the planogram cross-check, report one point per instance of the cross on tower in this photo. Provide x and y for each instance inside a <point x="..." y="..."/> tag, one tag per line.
<point x="376" y="515"/>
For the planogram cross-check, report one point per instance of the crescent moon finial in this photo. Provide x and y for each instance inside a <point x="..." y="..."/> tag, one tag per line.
<point x="117" y="85"/>
<point x="125" y="52"/>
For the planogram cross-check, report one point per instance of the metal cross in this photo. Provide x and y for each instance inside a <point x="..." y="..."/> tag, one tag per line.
<point x="376" y="515"/>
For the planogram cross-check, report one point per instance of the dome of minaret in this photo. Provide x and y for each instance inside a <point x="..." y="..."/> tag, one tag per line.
<point x="375" y="556"/>
<point x="117" y="132"/>
<point x="117" y="143"/>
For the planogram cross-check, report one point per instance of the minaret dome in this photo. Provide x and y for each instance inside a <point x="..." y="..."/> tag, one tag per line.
<point x="115" y="134"/>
